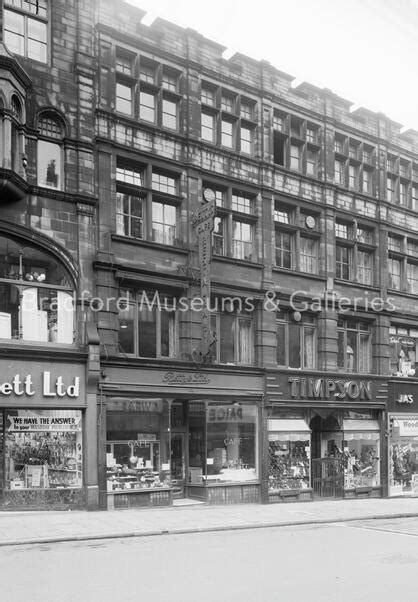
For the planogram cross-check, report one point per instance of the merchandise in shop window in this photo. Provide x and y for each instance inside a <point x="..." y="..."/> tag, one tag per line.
<point x="360" y="460"/>
<point x="289" y="464"/>
<point x="231" y="436"/>
<point x="43" y="449"/>
<point x="403" y="458"/>
<point x="136" y="465"/>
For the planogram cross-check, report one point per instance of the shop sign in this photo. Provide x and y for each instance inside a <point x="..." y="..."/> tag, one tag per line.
<point x="23" y="386"/>
<point x="407" y="428"/>
<point x="179" y="378"/>
<point x="402" y="396"/>
<point x="27" y="421"/>
<point x="405" y="399"/>
<point x="154" y="406"/>
<point x="203" y="223"/>
<point x="230" y="413"/>
<point x="328" y="388"/>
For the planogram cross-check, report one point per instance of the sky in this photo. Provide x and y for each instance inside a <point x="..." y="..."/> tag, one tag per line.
<point x="364" y="50"/>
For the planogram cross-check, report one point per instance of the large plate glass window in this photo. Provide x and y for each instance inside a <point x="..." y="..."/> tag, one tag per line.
<point x="36" y="295"/>
<point x="43" y="449"/>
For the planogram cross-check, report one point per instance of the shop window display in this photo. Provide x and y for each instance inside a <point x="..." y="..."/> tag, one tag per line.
<point x="359" y="453"/>
<point x="403" y="351"/>
<point x="36" y="296"/>
<point x="231" y="440"/>
<point x="403" y="457"/>
<point x="289" y="461"/>
<point x="43" y="449"/>
<point x="138" y="446"/>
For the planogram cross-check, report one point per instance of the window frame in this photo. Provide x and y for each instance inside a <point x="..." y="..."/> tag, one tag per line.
<point x="134" y="301"/>
<point x="35" y="282"/>
<point x="54" y="140"/>
<point x="27" y="18"/>
<point x="308" y="322"/>
<point x="152" y="185"/>
<point x="237" y="318"/>
<point x="357" y="241"/>
<point x="344" y="329"/>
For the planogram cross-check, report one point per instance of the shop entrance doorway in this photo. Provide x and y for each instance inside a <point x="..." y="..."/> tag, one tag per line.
<point x="178" y="464"/>
<point x="327" y="463"/>
<point x="328" y="477"/>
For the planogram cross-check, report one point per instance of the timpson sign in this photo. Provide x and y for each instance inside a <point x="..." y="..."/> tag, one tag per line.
<point x="329" y="388"/>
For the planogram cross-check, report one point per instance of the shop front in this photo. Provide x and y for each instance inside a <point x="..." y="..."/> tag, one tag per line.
<point x="175" y="434"/>
<point x="324" y="437"/>
<point x="42" y="435"/>
<point x="403" y="438"/>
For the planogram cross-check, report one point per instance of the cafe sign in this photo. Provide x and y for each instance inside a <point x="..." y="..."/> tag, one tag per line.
<point x="329" y="388"/>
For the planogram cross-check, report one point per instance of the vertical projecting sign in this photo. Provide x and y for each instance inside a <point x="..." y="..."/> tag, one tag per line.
<point x="203" y="223"/>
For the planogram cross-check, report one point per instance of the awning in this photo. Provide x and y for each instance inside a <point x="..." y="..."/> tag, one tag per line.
<point x="408" y="427"/>
<point x="288" y="430"/>
<point x="361" y="425"/>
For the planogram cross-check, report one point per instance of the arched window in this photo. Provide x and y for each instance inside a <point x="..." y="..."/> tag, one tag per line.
<point x="36" y="295"/>
<point x="51" y="133"/>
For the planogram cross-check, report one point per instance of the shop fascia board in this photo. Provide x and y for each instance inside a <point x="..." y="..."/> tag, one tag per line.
<point x="181" y="391"/>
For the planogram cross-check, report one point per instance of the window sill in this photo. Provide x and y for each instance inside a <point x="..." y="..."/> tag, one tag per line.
<point x="355" y="284"/>
<point x="46" y="344"/>
<point x="280" y="270"/>
<point x="394" y="291"/>
<point x="243" y="262"/>
<point x="148" y="243"/>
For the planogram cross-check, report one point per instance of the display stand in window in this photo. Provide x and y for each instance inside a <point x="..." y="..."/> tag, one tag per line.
<point x="289" y="468"/>
<point x="43" y="449"/>
<point x="403" y="456"/>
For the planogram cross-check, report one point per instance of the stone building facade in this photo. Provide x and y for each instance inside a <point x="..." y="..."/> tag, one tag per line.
<point x="114" y="137"/>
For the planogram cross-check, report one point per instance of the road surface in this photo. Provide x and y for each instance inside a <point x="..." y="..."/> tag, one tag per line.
<point x="345" y="562"/>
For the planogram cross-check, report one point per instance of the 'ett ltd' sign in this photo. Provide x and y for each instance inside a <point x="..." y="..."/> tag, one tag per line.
<point x="24" y="386"/>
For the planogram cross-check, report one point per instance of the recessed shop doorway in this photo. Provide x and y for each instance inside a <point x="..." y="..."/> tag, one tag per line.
<point x="178" y="447"/>
<point x="327" y="464"/>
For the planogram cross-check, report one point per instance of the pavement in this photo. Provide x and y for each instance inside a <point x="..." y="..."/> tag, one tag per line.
<point x="23" y="528"/>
